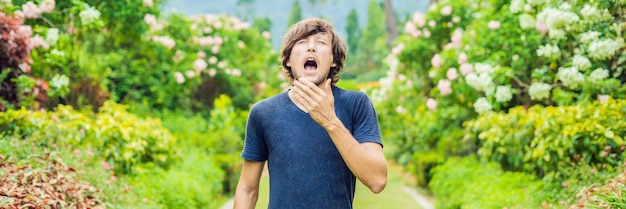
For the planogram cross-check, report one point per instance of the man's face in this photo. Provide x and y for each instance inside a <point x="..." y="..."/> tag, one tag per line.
<point x="312" y="57"/>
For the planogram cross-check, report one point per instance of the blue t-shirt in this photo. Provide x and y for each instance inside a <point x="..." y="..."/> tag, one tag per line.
<point x="305" y="168"/>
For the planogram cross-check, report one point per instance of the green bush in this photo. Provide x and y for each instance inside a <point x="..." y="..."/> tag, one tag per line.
<point x="545" y="139"/>
<point x="468" y="183"/>
<point x="121" y="137"/>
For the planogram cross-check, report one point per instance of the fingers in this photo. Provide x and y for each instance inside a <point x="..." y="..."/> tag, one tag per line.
<point x="309" y="88"/>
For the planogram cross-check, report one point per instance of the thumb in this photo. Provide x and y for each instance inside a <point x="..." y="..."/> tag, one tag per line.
<point x="327" y="87"/>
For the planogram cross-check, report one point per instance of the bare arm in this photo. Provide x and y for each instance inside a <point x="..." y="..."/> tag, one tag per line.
<point x="367" y="160"/>
<point x="247" y="192"/>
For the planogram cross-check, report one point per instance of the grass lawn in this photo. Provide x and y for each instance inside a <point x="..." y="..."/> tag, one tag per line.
<point x="392" y="197"/>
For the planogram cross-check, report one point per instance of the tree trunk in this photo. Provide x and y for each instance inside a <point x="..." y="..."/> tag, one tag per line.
<point x="392" y="31"/>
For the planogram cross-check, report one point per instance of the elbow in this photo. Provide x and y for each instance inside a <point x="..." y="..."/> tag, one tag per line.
<point x="379" y="185"/>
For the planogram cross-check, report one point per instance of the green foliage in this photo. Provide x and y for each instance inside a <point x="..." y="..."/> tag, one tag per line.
<point x="127" y="141"/>
<point x="468" y="183"/>
<point x="295" y="15"/>
<point x="544" y="140"/>
<point x="352" y="31"/>
<point x="609" y="195"/>
<point x="372" y="47"/>
<point x="196" y="181"/>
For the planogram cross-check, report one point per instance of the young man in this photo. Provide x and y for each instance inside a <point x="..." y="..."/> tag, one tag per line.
<point x="316" y="138"/>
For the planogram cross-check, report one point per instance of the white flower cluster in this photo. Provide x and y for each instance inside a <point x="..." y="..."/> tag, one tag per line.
<point x="89" y="15"/>
<point x="539" y="91"/>
<point x="581" y="62"/>
<point x="482" y="105"/>
<point x="570" y="77"/>
<point x="480" y="82"/>
<point x="604" y="49"/>
<point x="598" y="75"/>
<point x="59" y="81"/>
<point x="549" y="51"/>
<point x="559" y="20"/>
<point x="527" y="21"/>
<point x="516" y="6"/>
<point x="503" y="94"/>
<point x="484" y="68"/>
<point x="589" y="36"/>
<point x="592" y="14"/>
<point x="52" y="36"/>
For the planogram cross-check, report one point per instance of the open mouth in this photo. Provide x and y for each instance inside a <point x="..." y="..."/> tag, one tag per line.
<point x="310" y="65"/>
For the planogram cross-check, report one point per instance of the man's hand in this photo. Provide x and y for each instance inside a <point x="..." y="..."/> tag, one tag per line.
<point x="318" y="102"/>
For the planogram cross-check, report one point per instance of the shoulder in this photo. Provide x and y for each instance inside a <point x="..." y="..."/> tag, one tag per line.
<point x="350" y="95"/>
<point x="269" y="103"/>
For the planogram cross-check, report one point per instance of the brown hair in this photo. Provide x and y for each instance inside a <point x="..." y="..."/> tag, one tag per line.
<point x="306" y="28"/>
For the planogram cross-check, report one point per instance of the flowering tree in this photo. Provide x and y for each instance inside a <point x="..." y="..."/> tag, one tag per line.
<point x="465" y="59"/>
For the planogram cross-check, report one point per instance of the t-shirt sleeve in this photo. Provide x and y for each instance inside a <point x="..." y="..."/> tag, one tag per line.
<point x="366" y="127"/>
<point x="254" y="148"/>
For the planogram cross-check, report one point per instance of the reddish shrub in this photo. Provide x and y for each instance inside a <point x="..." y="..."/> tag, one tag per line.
<point x="45" y="183"/>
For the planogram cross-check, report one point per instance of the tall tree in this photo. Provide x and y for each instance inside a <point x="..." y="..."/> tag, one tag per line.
<point x="367" y="62"/>
<point x="263" y="24"/>
<point x="392" y="31"/>
<point x="352" y="30"/>
<point x="295" y="15"/>
<point x="245" y="9"/>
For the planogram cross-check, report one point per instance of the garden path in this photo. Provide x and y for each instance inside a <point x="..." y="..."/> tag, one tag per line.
<point x="399" y="193"/>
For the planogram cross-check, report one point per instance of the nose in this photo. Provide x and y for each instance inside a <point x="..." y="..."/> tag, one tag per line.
<point x="311" y="46"/>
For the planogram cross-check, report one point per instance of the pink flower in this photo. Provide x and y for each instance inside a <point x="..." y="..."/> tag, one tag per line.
<point x="400" y="110"/>
<point x="607" y="148"/>
<point x="24" y="31"/>
<point x="90" y="153"/>
<point x="494" y="25"/>
<point x="215" y="49"/>
<point x="426" y="33"/>
<point x="466" y="68"/>
<point x="603" y="98"/>
<point x="622" y="147"/>
<point x="456" y="19"/>
<point x="397" y="49"/>
<point x="47" y="6"/>
<point x="437" y="61"/>
<point x="457" y="38"/>
<point x="199" y="65"/>
<point x="212" y="72"/>
<point x="150" y="19"/>
<point x="38" y="41"/>
<point x="106" y="165"/>
<point x="432" y="23"/>
<point x="452" y="74"/>
<point x="564" y="184"/>
<point x="267" y="35"/>
<point x="604" y="153"/>
<point x="431" y="103"/>
<point x="113" y="178"/>
<point x="462" y="58"/>
<point x="31" y="10"/>
<point x="541" y="27"/>
<point x="444" y="87"/>
<point x="148" y="3"/>
<point x="179" y="77"/>
<point x="54" y="145"/>
<point x="144" y="199"/>
<point x="213" y="60"/>
<point x="190" y="74"/>
<point x="77" y="152"/>
<point x="419" y="19"/>
<point x="445" y="11"/>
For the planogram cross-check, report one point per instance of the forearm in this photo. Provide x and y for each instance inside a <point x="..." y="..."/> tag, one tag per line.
<point x="366" y="163"/>
<point x="245" y="199"/>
